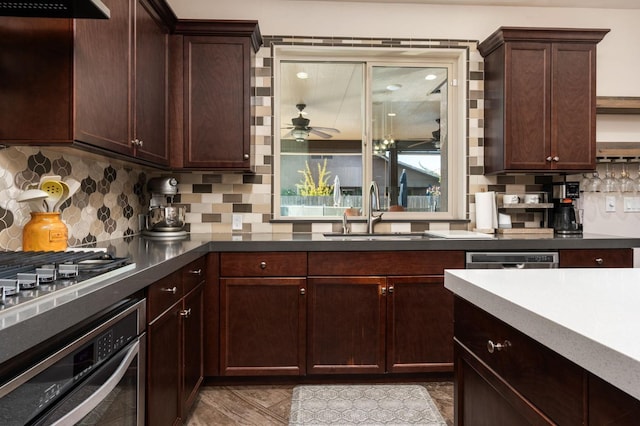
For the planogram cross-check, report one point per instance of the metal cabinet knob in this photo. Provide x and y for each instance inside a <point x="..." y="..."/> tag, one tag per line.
<point x="171" y="290"/>
<point x="548" y="158"/>
<point x="303" y="291"/>
<point x="246" y="156"/>
<point x="263" y="265"/>
<point x="599" y="260"/>
<point x="196" y="272"/>
<point x="383" y="291"/>
<point x="556" y="158"/>
<point x="492" y="347"/>
<point x="185" y="313"/>
<point x="140" y="142"/>
<point x="390" y="289"/>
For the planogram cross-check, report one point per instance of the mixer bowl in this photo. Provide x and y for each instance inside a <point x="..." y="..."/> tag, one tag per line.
<point x="167" y="219"/>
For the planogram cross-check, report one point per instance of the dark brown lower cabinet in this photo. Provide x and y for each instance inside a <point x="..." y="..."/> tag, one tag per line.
<point x="346" y="331"/>
<point x="379" y="324"/>
<point x="525" y="383"/>
<point x="419" y="325"/>
<point x="192" y="316"/>
<point x="163" y="368"/>
<point x="262" y="326"/>
<point x="175" y="344"/>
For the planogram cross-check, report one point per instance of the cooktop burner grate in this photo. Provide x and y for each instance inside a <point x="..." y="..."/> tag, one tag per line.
<point x="25" y="276"/>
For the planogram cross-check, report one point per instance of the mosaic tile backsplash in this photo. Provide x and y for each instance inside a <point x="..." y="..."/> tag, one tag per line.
<point x="113" y="193"/>
<point x="106" y="206"/>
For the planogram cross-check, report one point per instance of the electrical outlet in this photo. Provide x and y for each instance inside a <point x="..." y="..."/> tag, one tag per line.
<point x="610" y="203"/>
<point x="236" y="222"/>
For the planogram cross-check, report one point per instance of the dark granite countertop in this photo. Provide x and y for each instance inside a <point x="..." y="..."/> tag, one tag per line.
<point x="154" y="259"/>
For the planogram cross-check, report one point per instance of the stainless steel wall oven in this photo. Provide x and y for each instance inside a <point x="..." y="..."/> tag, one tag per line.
<point x="94" y="374"/>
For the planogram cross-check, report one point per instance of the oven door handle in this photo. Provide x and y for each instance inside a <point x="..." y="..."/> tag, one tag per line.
<point x="89" y="404"/>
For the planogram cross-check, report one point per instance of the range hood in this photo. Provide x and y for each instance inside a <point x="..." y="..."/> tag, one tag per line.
<point x="86" y="9"/>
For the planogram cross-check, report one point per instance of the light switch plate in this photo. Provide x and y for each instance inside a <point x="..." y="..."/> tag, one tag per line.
<point x="610" y="203"/>
<point x="631" y="204"/>
<point x="236" y="222"/>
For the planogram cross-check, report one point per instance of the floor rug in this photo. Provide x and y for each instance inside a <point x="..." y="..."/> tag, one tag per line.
<point x="363" y="405"/>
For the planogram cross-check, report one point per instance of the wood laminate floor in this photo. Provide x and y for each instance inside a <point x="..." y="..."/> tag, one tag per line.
<point x="270" y="404"/>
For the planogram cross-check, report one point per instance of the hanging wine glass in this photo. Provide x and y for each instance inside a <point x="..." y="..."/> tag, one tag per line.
<point x="625" y="183"/>
<point x="595" y="183"/>
<point x="584" y="183"/>
<point x="609" y="183"/>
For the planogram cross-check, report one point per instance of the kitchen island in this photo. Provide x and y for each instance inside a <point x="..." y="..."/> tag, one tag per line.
<point x="545" y="343"/>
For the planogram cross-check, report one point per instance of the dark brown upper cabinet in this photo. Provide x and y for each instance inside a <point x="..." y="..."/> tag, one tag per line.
<point x="211" y="66"/>
<point x="540" y="99"/>
<point x="100" y="84"/>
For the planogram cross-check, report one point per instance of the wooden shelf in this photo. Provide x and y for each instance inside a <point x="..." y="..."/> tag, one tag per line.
<point x="617" y="150"/>
<point x="617" y="105"/>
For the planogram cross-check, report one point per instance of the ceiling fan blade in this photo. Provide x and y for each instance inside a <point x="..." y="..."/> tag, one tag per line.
<point x="327" y="129"/>
<point x="319" y="133"/>
<point x="420" y="143"/>
<point x="287" y="135"/>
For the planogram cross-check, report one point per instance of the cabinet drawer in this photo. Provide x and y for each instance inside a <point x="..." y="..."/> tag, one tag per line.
<point x="385" y="262"/>
<point x="598" y="258"/>
<point x="267" y="264"/>
<point x="549" y="381"/>
<point x="193" y="274"/>
<point x="163" y="293"/>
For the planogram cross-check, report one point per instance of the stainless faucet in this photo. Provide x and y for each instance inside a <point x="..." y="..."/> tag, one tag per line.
<point x="345" y="223"/>
<point x="374" y="205"/>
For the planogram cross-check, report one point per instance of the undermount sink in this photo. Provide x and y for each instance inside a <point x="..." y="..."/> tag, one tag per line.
<point x="374" y="237"/>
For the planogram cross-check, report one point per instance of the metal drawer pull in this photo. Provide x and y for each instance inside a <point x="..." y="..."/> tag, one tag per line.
<point x="492" y="347"/>
<point x="263" y="265"/>
<point x="196" y="272"/>
<point x="599" y="260"/>
<point x="185" y="313"/>
<point x="171" y="290"/>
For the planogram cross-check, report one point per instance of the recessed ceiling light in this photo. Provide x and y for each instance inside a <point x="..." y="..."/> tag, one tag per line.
<point x="394" y="87"/>
<point x="391" y="114"/>
<point x="302" y="75"/>
<point x="430" y="77"/>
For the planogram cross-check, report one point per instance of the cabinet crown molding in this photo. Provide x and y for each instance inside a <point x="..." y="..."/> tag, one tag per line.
<point x="228" y="28"/>
<point x="543" y="35"/>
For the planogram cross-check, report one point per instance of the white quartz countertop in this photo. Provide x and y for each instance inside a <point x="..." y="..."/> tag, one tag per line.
<point x="589" y="316"/>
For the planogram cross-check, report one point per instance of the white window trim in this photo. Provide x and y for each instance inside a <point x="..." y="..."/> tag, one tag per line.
<point x="454" y="59"/>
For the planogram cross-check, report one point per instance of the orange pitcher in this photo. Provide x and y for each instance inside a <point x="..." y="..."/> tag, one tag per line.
<point x="45" y="232"/>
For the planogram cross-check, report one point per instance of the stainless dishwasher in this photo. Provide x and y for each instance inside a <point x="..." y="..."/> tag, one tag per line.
<point x="515" y="260"/>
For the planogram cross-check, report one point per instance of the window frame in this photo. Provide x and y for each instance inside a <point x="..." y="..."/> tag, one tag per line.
<point x="452" y="58"/>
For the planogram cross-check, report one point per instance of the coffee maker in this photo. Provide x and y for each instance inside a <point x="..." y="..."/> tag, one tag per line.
<point x="164" y="220"/>
<point x="564" y="218"/>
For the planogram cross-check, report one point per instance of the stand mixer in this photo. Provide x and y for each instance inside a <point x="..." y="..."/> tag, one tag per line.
<point x="163" y="220"/>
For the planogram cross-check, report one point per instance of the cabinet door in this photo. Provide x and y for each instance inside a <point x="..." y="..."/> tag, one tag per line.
<point x="609" y="405"/>
<point x="527" y="106"/>
<point x="262" y="326"/>
<point x="573" y="100"/>
<point x="217" y="93"/>
<point x="192" y="346"/>
<point x="103" y="58"/>
<point x="346" y="330"/>
<point x="163" y="368"/>
<point x="419" y="325"/>
<point x="151" y="73"/>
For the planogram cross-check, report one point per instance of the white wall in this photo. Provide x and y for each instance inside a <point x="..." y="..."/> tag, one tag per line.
<point x="618" y="55"/>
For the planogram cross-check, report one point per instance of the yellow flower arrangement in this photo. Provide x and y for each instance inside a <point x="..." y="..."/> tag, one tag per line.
<point x="308" y="186"/>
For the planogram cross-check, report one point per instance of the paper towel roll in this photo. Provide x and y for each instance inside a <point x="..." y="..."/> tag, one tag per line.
<point x="486" y="212"/>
